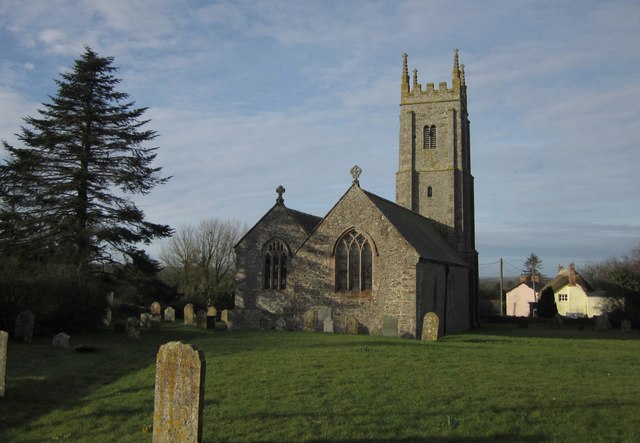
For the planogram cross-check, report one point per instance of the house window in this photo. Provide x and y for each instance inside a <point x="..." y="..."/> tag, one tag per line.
<point x="563" y="297"/>
<point x="276" y="259"/>
<point x="429" y="137"/>
<point x="353" y="263"/>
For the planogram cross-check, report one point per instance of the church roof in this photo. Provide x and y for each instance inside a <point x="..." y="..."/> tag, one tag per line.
<point x="420" y="232"/>
<point x="307" y="221"/>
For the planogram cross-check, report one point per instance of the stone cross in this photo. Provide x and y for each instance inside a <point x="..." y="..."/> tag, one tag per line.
<point x="4" y="340"/>
<point x="24" y="326"/>
<point x="179" y="394"/>
<point x="188" y="315"/>
<point x="430" y="326"/>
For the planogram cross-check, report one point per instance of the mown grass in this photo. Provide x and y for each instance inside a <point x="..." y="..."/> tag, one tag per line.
<point x="497" y="383"/>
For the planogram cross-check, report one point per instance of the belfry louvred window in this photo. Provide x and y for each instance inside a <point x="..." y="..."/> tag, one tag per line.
<point x="353" y="263"/>
<point x="276" y="260"/>
<point x="429" y="137"/>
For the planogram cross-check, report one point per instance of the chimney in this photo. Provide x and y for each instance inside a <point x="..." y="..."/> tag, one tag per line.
<point x="572" y="274"/>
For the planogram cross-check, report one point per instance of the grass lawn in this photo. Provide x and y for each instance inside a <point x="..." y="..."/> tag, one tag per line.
<point x="498" y="383"/>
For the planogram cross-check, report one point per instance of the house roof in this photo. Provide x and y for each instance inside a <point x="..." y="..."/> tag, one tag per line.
<point x="564" y="278"/>
<point x="420" y="232"/>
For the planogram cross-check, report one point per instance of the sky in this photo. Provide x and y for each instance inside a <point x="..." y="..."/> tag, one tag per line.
<point x="249" y="95"/>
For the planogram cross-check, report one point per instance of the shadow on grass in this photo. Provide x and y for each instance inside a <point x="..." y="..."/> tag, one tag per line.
<point x="41" y="379"/>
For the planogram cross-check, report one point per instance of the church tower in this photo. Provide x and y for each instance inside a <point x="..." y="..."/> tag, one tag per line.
<point x="434" y="174"/>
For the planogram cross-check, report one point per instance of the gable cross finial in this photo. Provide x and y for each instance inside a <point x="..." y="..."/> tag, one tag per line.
<point x="355" y="173"/>
<point x="280" y="190"/>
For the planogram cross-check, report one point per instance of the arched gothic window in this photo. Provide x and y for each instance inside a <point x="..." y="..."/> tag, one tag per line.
<point x="276" y="260"/>
<point x="353" y="263"/>
<point x="429" y="192"/>
<point x="429" y="137"/>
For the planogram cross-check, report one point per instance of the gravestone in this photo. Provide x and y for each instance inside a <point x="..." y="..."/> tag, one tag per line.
<point x="179" y="393"/>
<point x="327" y="325"/>
<point x="212" y="314"/>
<point x="352" y="326"/>
<point x="132" y="328"/>
<point x="170" y="314"/>
<point x="625" y="325"/>
<point x="108" y="317"/>
<point x="4" y="341"/>
<point x="430" y="327"/>
<point x="389" y="326"/>
<point x="145" y="320"/>
<point x="280" y="324"/>
<point x="212" y="311"/>
<point x="188" y="315"/>
<point x="310" y="321"/>
<point x="60" y="341"/>
<point x="156" y="311"/>
<point x="232" y="319"/>
<point x="324" y="312"/>
<point x="201" y="319"/>
<point x="602" y="322"/>
<point x="24" y="327"/>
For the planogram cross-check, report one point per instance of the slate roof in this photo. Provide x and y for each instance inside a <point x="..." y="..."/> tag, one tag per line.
<point x="420" y="232"/>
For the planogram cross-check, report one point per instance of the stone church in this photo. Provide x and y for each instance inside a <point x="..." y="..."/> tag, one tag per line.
<point x="371" y="259"/>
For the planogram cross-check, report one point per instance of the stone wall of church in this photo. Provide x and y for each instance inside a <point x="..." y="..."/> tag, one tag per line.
<point x="276" y="224"/>
<point x="394" y="269"/>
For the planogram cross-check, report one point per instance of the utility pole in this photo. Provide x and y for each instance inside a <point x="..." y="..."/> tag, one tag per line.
<point x="501" y="288"/>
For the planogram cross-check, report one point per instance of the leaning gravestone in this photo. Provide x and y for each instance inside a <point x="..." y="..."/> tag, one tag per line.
<point x="351" y="326"/>
<point x="170" y="314"/>
<point x="24" y="326"/>
<point x="201" y="319"/>
<point x="179" y="393"/>
<point x="4" y="340"/>
<point x="310" y="321"/>
<point x="389" y="326"/>
<point x="60" y="341"/>
<point x="430" y="326"/>
<point x="188" y="315"/>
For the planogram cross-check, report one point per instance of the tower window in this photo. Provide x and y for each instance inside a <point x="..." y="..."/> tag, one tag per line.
<point x="429" y="192"/>
<point x="276" y="259"/>
<point x="429" y="137"/>
<point x="353" y="263"/>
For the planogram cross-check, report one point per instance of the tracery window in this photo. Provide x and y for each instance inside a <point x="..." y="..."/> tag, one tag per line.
<point x="276" y="260"/>
<point x="429" y="137"/>
<point x="353" y="263"/>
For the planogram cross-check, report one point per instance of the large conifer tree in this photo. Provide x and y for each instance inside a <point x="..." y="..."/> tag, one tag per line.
<point x="65" y="193"/>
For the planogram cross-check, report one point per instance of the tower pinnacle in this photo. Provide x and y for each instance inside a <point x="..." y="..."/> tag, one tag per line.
<point x="404" y="84"/>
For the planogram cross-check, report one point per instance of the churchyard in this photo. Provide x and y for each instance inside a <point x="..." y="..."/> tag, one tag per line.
<point x="498" y="383"/>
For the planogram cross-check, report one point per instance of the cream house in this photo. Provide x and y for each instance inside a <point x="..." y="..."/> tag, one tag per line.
<point x="574" y="296"/>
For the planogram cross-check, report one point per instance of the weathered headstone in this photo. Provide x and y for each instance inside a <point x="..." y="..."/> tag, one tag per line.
<point x="280" y="324"/>
<point x="132" y="328"/>
<point x="201" y="319"/>
<point x="60" y="341"/>
<point x="24" y="326"/>
<point x="232" y="318"/>
<point x="625" y="325"/>
<point x="145" y="320"/>
<point x="602" y="322"/>
<point x="212" y="315"/>
<point x="389" y="326"/>
<point x="170" y="314"/>
<point x="188" y="315"/>
<point x="212" y="311"/>
<point x="156" y="311"/>
<point x="351" y="327"/>
<point x="430" y="326"/>
<point x="324" y="312"/>
<point x="327" y="325"/>
<point x="4" y="341"/>
<point x="310" y="321"/>
<point x="179" y="394"/>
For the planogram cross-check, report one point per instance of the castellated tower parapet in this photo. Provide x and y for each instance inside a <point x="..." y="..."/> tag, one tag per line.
<point x="434" y="174"/>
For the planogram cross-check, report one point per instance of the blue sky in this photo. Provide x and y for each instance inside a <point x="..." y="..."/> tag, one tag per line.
<point x="248" y="95"/>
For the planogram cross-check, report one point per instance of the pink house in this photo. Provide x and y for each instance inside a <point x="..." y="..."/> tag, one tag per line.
<point x="519" y="298"/>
